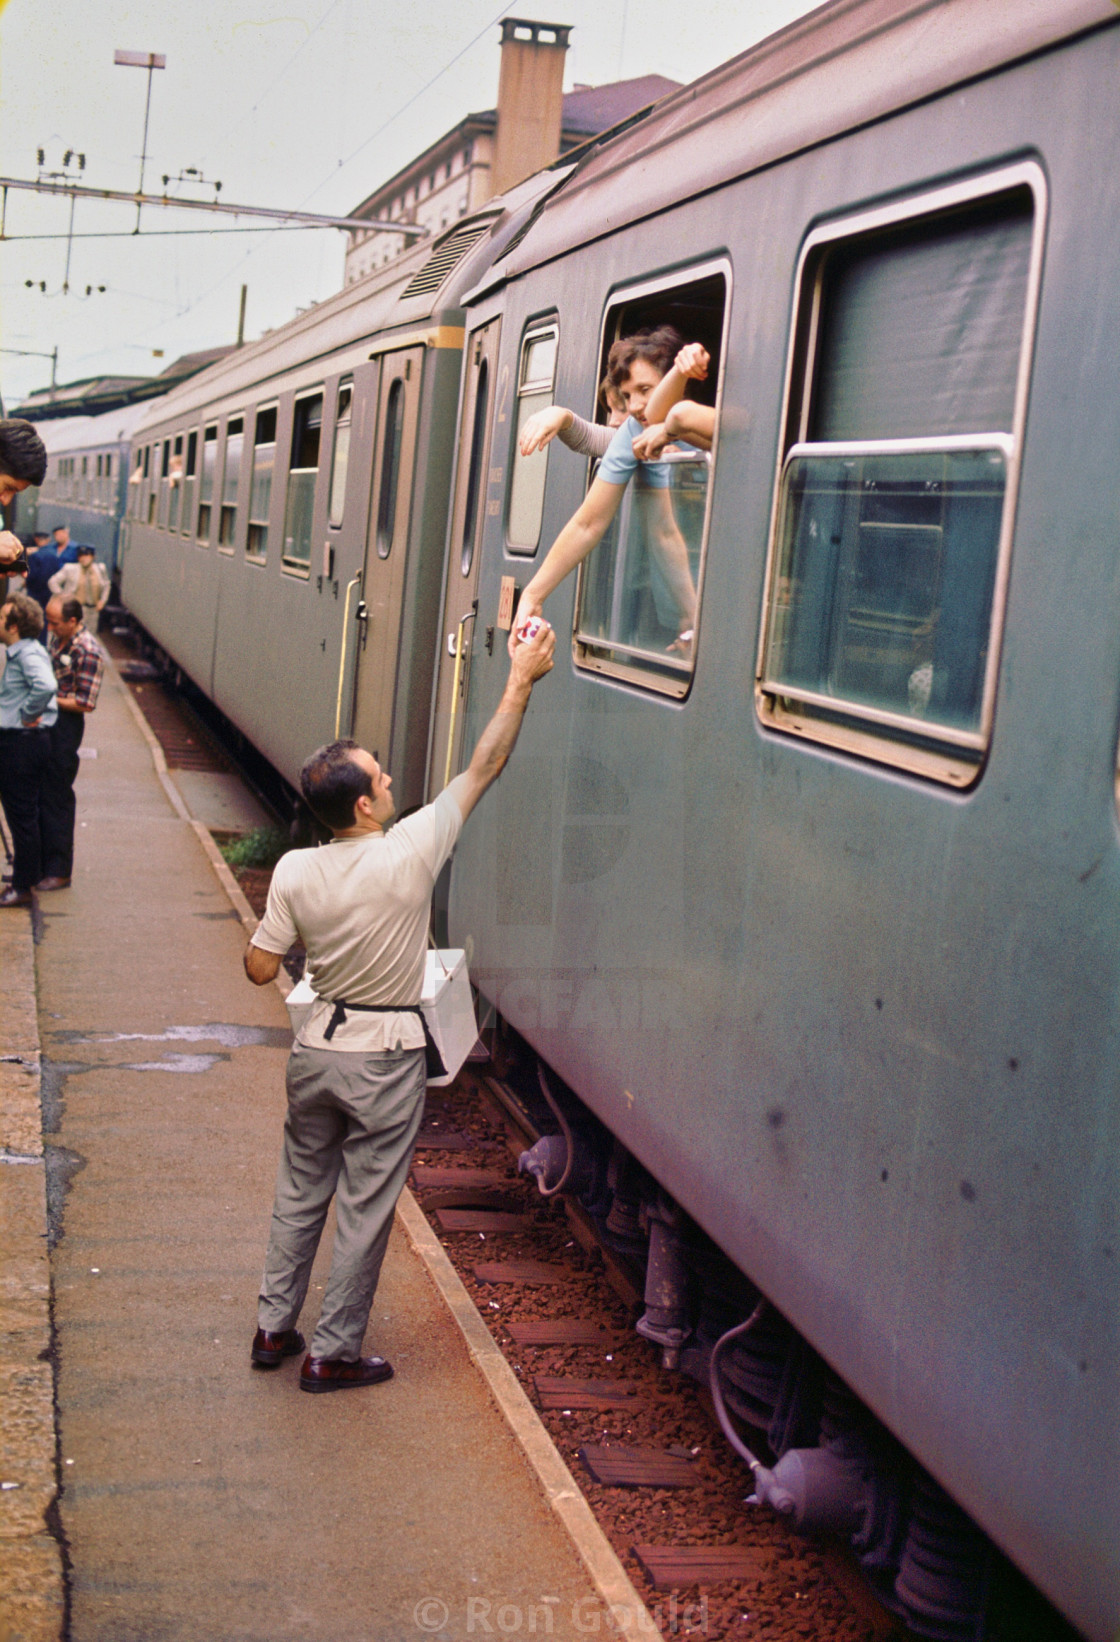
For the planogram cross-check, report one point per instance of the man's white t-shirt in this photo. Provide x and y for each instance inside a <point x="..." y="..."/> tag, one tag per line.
<point x="361" y="906"/>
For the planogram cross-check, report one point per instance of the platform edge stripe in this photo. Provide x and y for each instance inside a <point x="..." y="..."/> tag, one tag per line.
<point x="560" y="1487"/>
<point x="31" y="1580"/>
<point x="175" y="797"/>
<point x="228" y="882"/>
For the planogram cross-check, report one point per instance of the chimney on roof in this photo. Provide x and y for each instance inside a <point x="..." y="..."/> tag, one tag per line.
<point x="530" y="97"/>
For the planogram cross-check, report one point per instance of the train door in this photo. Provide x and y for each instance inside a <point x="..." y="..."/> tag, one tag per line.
<point x="460" y="589"/>
<point x="383" y="574"/>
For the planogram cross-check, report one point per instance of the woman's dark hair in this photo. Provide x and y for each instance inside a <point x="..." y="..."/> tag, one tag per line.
<point x="332" y="783"/>
<point x="26" y="615"/>
<point x="23" y="454"/>
<point x="658" y="346"/>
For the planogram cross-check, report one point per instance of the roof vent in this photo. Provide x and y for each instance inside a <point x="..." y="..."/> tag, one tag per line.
<point x="444" y="258"/>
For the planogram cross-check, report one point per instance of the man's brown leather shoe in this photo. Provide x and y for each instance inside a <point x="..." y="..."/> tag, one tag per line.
<point x="15" y="897"/>
<point x="269" y="1350"/>
<point x="337" y="1374"/>
<point x="53" y="883"/>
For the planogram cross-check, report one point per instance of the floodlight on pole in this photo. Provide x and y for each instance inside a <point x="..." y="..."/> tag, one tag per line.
<point x="149" y="60"/>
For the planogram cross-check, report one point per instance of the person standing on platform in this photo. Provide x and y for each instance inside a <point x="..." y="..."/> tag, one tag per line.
<point x="78" y="667"/>
<point x="356" y="1076"/>
<point x="86" y="581"/>
<point x="27" y="710"/>
<point x="60" y="541"/>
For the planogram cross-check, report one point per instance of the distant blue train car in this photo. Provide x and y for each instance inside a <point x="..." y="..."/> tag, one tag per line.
<point x="87" y="477"/>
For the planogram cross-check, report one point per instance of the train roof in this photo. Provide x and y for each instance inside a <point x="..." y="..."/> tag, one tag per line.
<point x="844" y="65"/>
<point x="422" y="285"/>
<point x="77" y="433"/>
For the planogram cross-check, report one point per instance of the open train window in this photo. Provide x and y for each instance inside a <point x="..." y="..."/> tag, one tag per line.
<point x="303" y="472"/>
<point x="260" y="496"/>
<point x="231" y="481"/>
<point x="164" y="471"/>
<point x="174" y="500"/>
<point x="190" y="472"/>
<point x="535" y="378"/>
<point x="206" y="481"/>
<point x="639" y="591"/>
<point x="340" y="457"/>
<point x="892" y="526"/>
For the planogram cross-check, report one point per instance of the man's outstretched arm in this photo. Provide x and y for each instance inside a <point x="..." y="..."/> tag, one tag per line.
<point x="530" y="661"/>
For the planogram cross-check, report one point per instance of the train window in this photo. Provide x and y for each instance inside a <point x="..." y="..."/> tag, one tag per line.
<point x="340" y="457"/>
<point x="638" y="595"/>
<point x="528" y="473"/>
<point x="474" y="474"/>
<point x="186" y="513"/>
<point x="303" y="471"/>
<point x="136" y="481"/>
<point x="231" y="480"/>
<point x="206" y="481"/>
<point x="164" y="482"/>
<point x="260" y="498"/>
<point x="175" y="499"/>
<point x="390" y="468"/>
<point x="892" y="526"/>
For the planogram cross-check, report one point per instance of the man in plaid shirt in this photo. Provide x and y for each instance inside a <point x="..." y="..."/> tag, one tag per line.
<point x="78" y="666"/>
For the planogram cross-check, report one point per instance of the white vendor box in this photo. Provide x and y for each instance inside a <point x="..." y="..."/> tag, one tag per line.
<point x="449" y="1009"/>
<point x="446" y="1001"/>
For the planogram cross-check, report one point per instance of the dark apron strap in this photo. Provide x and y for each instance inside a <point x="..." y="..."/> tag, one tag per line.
<point x="432" y="1057"/>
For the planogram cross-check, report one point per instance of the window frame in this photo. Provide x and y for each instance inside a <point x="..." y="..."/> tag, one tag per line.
<point x="230" y="547"/>
<point x="253" y="555"/>
<point x="674" y="680"/>
<point x="343" y="422"/>
<point x="189" y="483"/>
<point x="938" y="761"/>
<point x="175" y="484"/>
<point x="535" y="330"/>
<point x="210" y="436"/>
<point x="290" y="565"/>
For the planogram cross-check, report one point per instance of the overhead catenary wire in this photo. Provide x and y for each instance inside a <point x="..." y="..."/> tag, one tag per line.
<point x="231" y="273"/>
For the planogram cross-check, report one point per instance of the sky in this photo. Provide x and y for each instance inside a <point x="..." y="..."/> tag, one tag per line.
<point x="302" y="104"/>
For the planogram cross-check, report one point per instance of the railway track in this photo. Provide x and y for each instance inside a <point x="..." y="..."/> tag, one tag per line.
<point x="643" y="1443"/>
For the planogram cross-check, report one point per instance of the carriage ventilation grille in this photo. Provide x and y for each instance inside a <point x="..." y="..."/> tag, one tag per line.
<point x="446" y="257"/>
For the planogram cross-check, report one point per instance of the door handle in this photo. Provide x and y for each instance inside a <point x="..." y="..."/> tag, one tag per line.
<point x="361" y="615"/>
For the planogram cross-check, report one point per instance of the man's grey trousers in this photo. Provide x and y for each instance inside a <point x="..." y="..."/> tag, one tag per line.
<point x="351" y="1127"/>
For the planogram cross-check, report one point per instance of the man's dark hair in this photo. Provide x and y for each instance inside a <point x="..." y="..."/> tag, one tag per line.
<point x="23" y="454"/>
<point x="56" y="528"/>
<point x="332" y="783"/>
<point x="658" y="347"/>
<point x="25" y="614"/>
<point x="71" y="610"/>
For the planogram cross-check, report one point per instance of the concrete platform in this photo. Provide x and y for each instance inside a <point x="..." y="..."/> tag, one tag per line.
<point x="200" y="1499"/>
